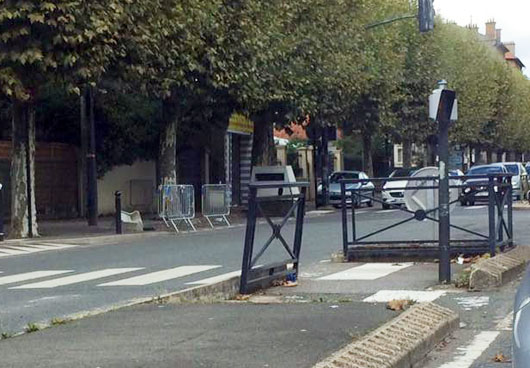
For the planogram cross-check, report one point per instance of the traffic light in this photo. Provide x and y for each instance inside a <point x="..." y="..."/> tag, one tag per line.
<point x="426" y="15"/>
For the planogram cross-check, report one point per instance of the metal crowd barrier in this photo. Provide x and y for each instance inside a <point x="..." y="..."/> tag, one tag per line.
<point x="215" y="202"/>
<point x="177" y="204"/>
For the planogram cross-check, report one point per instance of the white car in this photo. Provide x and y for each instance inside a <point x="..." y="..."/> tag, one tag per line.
<point x="394" y="191"/>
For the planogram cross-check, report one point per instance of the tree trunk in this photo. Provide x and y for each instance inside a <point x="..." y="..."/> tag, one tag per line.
<point x="367" y="154"/>
<point x="263" y="149"/>
<point x="167" y="155"/>
<point x="23" y="165"/>
<point x="489" y="155"/>
<point x="499" y="155"/>
<point x="407" y="153"/>
<point x="478" y="155"/>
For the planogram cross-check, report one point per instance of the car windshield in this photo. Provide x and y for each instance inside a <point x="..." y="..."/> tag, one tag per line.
<point x="335" y="177"/>
<point x="401" y="173"/>
<point x="512" y="168"/>
<point x="482" y="170"/>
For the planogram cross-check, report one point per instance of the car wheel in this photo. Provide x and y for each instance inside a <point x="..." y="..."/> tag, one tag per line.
<point x="471" y="203"/>
<point x="463" y="203"/>
<point x="370" y="203"/>
<point x="386" y="206"/>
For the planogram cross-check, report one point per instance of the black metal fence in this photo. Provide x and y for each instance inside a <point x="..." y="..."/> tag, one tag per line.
<point x="252" y="276"/>
<point x="496" y="189"/>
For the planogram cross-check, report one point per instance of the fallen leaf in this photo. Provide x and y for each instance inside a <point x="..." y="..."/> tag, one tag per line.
<point x="500" y="358"/>
<point x="399" y="305"/>
<point x="242" y="297"/>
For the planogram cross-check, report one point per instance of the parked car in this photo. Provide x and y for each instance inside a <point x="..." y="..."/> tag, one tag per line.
<point x="519" y="179"/>
<point x="394" y="191"/>
<point x="367" y="188"/>
<point x="521" y="324"/>
<point x="479" y="184"/>
<point x="527" y="167"/>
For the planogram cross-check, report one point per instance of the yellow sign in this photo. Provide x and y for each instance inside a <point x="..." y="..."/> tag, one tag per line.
<point x="240" y="124"/>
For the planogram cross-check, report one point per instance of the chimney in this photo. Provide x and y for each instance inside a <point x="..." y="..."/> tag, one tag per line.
<point x="511" y="47"/>
<point x="490" y="30"/>
<point x="473" y="27"/>
<point x="498" y="35"/>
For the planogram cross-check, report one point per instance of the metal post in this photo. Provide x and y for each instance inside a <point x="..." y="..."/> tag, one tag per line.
<point x="324" y="166"/>
<point x="510" y="212"/>
<point x="92" y="181"/>
<point x="249" y="240"/>
<point x="491" y="214"/>
<point x="2" y="235"/>
<point x="499" y="196"/>
<point x="117" y="204"/>
<point x="353" y="230"/>
<point x="300" y="211"/>
<point x="443" y="200"/>
<point x="344" y="220"/>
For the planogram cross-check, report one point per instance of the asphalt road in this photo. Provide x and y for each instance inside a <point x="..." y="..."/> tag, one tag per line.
<point x="95" y="277"/>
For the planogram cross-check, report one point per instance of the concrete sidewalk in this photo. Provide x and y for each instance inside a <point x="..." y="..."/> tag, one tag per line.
<point x="233" y="334"/>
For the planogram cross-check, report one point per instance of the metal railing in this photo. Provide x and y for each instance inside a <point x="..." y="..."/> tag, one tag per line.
<point x="176" y="204"/>
<point x="253" y="276"/>
<point x="215" y="202"/>
<point x="497" y="187"/>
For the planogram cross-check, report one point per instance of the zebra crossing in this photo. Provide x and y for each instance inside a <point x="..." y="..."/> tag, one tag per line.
<point x="128" y="277"/>
<point x="29" y="248"/>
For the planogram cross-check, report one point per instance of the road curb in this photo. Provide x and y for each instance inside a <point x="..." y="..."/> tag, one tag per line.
<point x="499" y="270"/>
<point x="400" y="343"/>
<point x="226" y="289"/>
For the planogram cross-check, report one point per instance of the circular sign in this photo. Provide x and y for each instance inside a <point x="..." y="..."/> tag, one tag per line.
<point x="419" y="199"/>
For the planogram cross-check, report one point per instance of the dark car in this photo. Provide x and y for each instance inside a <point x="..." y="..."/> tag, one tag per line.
<point x="476" y="188"/>
<point x="521" y="324"/>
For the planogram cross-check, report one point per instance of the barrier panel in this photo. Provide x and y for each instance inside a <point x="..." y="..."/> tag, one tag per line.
<point x="252" y="275"/>
<point x="177" y="204"/>
<point x="494" y="189"/>
<point x="215" y="202"/>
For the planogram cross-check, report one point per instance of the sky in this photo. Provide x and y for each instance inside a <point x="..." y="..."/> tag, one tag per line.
<point x="512" y="16"/>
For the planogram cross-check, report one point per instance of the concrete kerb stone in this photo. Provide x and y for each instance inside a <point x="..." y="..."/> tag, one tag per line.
<point x="400" y="343"/>
<point x="499" y="270"/>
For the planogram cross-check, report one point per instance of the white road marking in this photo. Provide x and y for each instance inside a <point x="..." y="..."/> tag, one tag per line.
<point x="74" y="279"/>
<point x="325" y="261"/>
<point x="475" y="207"/>
<point x="12" y="251"/>
<point x="319" y="212"/>
<point x="506" y="323"/>
<point x="34" y="247"/>
<point x="467" y="355"/>
<point x="473" y="302"/>
<point x="22" y="249"/>
<point x="59" y="245"/>
<point x="160" y="276"/>
<point x="4" y="280"/>
<point x="388" y="211"/>
<point x="384" y="296"/>
<point x="215" y="279"/>
<point x="368" y="271"/>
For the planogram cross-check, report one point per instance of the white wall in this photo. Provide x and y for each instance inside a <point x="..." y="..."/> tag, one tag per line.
<point x="140" y="177"/>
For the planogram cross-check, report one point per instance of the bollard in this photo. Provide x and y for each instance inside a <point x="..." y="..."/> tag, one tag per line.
<point x="117" y="197"/>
